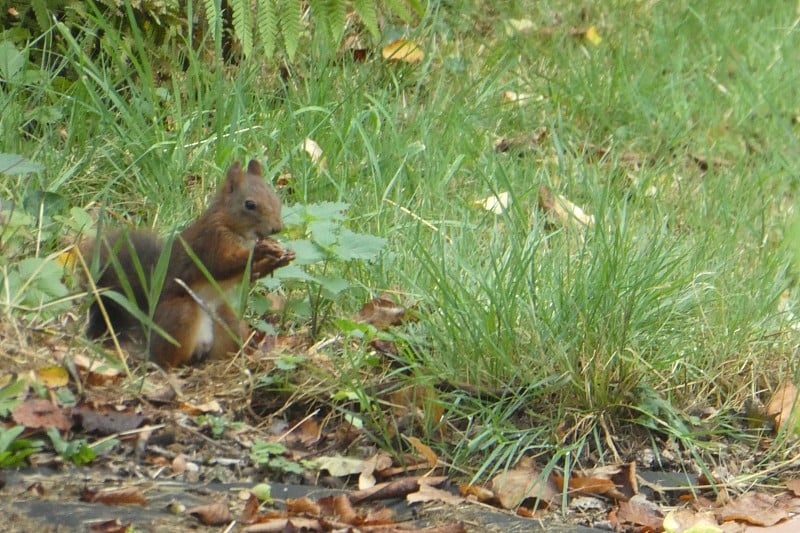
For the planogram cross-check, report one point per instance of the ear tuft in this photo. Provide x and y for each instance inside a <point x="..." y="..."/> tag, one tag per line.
<point x="234" y="177"/>
<point x="254" y="167"/>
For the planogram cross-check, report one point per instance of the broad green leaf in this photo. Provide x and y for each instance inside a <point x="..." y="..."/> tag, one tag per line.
<point x="306" y="252"/>
<point x="12" y="61"/>
<point x="332" y="285"/>
<point x="324" y="232"/>
<point x="326" y="211"/>
<point x="353" y="245"/>
<point x="13" y="164"/>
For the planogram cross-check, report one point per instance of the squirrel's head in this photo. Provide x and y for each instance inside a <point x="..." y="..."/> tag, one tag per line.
<point x="253" y="208"/>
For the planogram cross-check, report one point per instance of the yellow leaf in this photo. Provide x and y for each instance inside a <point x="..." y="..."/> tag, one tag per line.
<point x="403" y="50"/>
<point x="53" y="376"/>
<point x="497" y="204"/>
<point x="424" y="450"/>
<point x="592" y="36"/>
<point x="67" y="258"/>
<point x="518" y="26"/>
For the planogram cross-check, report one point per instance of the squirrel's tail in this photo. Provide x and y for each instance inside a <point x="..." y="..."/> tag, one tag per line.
<point x="121" y="261"/>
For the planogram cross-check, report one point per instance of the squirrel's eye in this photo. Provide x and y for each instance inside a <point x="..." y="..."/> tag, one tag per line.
<point x="249" y="204"/>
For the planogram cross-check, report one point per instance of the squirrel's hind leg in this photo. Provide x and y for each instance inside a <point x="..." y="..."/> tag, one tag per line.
<point x="227" y="339"/>
<point x="182" y="319"/>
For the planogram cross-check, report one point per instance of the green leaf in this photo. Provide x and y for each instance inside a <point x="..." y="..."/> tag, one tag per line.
<point x="332" y="286"/>
<point x="290" y="17"/>
<point x="267" y="16"/>
<point x="369" y="15"/>
<point x="7" y="436"/>
<point x="326" y="211"/>
<point x="241" y="25"/>
<point x="10" y="397"/>
<point x="13" y="164"/>
<point x="42" y="14"/>
<point x="398" y="7"/>
<point x="353" y="245"/>
<point x="335" y="17"/>
<point x="289" y="362"/>
<point x="49" y="203"/>
<point x="12" y="61"/>
<point x="306" y="252"/>
<point x="324" y="233"/>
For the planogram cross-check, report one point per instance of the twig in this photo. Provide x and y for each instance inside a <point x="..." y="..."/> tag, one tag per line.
<point x="100" y="305"/>
<point x="418" y="219"/>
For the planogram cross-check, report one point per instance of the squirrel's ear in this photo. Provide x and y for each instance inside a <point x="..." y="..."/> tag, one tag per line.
<point x="234" y="176"/>
<point x="254" y="167"/>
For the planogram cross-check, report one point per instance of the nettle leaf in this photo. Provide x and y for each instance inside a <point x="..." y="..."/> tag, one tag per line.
<point x="294" y="272"/>
<point x="306" y="252"/>
<point x="324" y="232"/>
<point x="326" y="211"/>
<point x="49" y="203"/>
<point x="13" y="164"/>
<point x="293" y="215"/>
<point x="332" y="285"/>
<point x="362" y="246"/>
<point x="44" y="279"/>
<point x="12" y="61"/>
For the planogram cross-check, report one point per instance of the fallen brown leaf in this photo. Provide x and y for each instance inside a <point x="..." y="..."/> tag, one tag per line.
<point x="482" y="494"/>
<point x="106" y="421"/>
<point x="782" y="407"/>
<point x="250" y="511"/>
<point x="379" y="461"/>
<point x="37" y="413"/>
<point x="394" y="489"/>
<point x="122" y="496"/>
<point x="640" y="514"/>
<point x="110" y="526"/>
<point x="756" y="508"/>
<point x="562" y="210"/>
<point x="303" y="505"/>
<point x="424" y="450"/>
<point x="513" y="487"/>
<point x="522" y="143"/>
<point x="426" y="493"/>
<point x="283" y="525"/>
<point x="794" y="486"/>
<point x="686" y="519"/>
<point x="381" y="312"/>
<point x="212" y="514"/>
<point x="339" y="508"/>
<point x="192" y="409"/>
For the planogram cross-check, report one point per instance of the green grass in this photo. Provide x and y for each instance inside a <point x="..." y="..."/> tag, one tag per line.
<point x="667" y="304"/>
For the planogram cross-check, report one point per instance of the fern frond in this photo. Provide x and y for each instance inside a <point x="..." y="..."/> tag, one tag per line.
<point x="241" y="25"/>
<point x="42" y="14"/>
<point x="267" y="17"/>
<point x="214" y="19"/>
<point x="368" y="14"/>
<point x="399" y="8"/>
<point x="334" y="16"/>
<point x="290" y="15"/>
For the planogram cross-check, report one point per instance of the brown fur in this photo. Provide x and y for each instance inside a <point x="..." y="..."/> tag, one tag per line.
<point x="243" y="214"/>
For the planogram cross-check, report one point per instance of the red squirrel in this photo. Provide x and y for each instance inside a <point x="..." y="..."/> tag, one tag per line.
<point x="243" y="214"/>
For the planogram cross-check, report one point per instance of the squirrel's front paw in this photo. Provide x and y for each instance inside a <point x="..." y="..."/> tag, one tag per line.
<point x="268" y="248"/>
